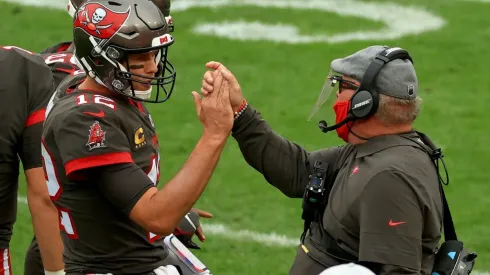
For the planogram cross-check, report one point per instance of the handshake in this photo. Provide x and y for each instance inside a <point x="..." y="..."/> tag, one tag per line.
<point x="220" y="99"/>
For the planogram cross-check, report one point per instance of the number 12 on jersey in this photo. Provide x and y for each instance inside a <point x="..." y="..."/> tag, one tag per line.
<point x="97" y="99"/>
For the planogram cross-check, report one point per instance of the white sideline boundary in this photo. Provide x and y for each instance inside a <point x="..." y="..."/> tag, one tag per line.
<point x="244" y="235"/>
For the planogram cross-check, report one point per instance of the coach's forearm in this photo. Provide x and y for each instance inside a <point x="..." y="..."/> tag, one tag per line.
<point x="45" y="220"/>
<point x="175" y="200"/>
<point x="282" y="162"/>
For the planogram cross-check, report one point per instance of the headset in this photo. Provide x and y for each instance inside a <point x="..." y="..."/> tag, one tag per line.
<point x="364" y="103"/>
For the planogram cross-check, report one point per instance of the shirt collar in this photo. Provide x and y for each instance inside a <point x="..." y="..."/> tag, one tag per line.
<point x="380" y="143"/>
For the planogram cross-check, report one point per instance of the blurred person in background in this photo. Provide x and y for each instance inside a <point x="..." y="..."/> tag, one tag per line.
<point x="26" y="84"/>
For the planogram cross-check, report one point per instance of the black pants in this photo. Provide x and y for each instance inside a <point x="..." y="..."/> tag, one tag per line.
<point x="303" y="264"/>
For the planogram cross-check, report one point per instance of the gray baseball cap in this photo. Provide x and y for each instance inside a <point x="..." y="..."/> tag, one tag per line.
<point x="397" y="78"/>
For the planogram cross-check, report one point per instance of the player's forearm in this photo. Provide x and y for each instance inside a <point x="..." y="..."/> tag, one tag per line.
<point x="44" y="220"/>
<point x="178" y="196"/>
<point x="46" y="229"/>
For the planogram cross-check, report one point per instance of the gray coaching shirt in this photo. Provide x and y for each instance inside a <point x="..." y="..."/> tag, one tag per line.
<point x="385" y="205"/>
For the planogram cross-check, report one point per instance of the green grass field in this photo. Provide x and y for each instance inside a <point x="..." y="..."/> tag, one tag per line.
<point x="282" y="79"/>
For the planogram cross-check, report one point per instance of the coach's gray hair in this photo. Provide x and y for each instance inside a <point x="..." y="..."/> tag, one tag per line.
<point x="394" y="111"/>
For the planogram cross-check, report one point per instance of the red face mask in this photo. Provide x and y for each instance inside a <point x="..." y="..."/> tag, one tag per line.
<point x="341" y="109"/>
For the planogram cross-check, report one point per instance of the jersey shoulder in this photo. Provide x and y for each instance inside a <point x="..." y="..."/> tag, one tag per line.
<point x="63" y="61"/>
<point x="67" y="85"/>
<point x="61" y="64"/>
<point x="60" y="47"/>
<point x="20" y="67"/>
<point x="85" y="118"/>
<point x="19" y="59"/>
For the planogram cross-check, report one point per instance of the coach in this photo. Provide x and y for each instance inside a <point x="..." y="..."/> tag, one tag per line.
<point x="384" y="208"/>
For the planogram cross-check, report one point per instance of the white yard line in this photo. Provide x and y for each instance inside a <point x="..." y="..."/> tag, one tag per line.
<point x="398" y="20"/>
<point x="269" y="239"/>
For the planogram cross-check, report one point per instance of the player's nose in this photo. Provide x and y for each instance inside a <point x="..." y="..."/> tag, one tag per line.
<point x="151" y="67"/>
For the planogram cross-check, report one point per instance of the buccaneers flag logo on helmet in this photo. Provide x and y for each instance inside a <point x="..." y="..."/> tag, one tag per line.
<point x="99" y="21"/>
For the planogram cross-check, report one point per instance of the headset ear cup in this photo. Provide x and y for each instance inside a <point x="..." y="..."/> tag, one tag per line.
<point x="362" y="104"/>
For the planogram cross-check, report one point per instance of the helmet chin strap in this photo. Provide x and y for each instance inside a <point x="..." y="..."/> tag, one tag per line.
<point x="138" y="93"/>
<point x="143" y="94"/>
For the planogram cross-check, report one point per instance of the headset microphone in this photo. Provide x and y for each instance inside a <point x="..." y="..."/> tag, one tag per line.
<point x="325" y="128"/>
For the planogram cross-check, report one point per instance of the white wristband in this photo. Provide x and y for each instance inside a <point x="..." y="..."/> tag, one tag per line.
<point x="59" y="272"/>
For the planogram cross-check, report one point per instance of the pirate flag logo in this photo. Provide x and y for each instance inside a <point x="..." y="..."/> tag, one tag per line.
<point x="99" y="21"/>
<point x="96" y="137"/>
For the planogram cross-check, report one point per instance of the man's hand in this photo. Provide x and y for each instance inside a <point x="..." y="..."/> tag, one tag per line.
<point x="202" y="214"/>
<point x="191" y="225"/>
<point x="209" y="81"/>
<point x="214" y="110"/>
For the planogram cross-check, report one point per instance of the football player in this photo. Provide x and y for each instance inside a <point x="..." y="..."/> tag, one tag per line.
<point x="188" y="226"/>
<point x="100" y="148"/>
<point x="62" y="63"/>
<point x="26" y="85"/>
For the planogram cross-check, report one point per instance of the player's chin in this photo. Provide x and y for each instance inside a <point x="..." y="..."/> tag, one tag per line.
<point x="141" y="86"/>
